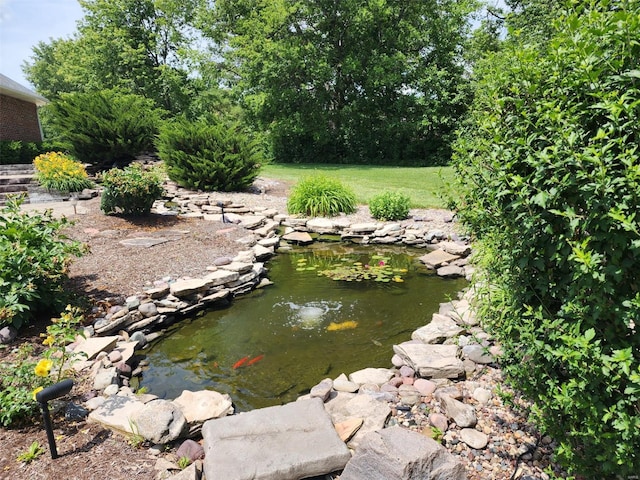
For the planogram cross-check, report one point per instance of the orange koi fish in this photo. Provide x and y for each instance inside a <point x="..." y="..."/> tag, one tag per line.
<point x="255" y="360"/>
<point x="240" y="362"/>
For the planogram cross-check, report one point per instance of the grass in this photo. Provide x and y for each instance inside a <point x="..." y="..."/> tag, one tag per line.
<point x="423" y="185"/>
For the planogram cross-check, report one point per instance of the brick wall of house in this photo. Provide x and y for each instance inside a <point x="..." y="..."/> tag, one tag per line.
<point x="18" y="120"/>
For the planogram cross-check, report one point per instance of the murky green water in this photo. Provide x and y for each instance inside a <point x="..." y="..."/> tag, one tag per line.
<point x="289" y="329"/>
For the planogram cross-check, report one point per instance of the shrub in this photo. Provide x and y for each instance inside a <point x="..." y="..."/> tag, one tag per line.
<point x="389" y="206"/>
<point x="131" y="190"/>
<point x="550" y="186"/>
<point x="34" y="260"/>
<point x="209" y="156"/>
<point x="56" y="171"/>
<point x="320" y="196"/>
<point x="105" y="128"/>
<point x="18" y="152"/>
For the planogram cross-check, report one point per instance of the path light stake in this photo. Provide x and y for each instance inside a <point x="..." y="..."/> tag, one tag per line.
<point x="52" y="392"/>
<point x="224" y="219"/>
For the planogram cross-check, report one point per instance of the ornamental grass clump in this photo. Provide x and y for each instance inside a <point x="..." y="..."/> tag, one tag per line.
<point x="320" y="196"/>
<point x="57" y="171"/>
<point x="389" y="206"/>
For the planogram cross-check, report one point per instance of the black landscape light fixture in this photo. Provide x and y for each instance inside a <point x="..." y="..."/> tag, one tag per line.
<point x="224" y="219"/>
<point x="52" y="392"/>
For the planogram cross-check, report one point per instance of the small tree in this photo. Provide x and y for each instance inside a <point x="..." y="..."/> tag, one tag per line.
<point x="209" y="156"/>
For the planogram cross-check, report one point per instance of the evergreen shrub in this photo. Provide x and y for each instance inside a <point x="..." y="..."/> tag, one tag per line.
<point x="209" y="155"/>
<point x="130" y="190"/>
<point x="320" y="196"/>
<point x="105" y="128"/>
<point x="389" y="206"/>
<point x="550" y="178"/>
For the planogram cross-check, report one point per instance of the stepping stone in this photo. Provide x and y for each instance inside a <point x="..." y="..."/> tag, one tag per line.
<point x="437" y="258"/>
<point x="92" y="346"/>
<point x="287" y="442"/>
<point x="145" y="242"/>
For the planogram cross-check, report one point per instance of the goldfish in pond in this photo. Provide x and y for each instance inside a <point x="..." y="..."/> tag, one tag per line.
<point x="348" y="325"/>
<point x="240" y="362"/>
<point x="255" y="360"/>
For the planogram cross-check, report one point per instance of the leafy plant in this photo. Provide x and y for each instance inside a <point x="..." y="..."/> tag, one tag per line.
<point x="389" y="206"/>
<point x="18" y="382"/>
<point x="34" y="451"/>
<point x="550" y="179"/>
<point x="320" y="196"/>
<point x="184" y="462"/>
<point x="14" y="151"/>
<point x="209" y="155"/>
<point x="34" y="261"/>
<point x="57" y="171"/>
<point x="107" y="127"/>
<point x="23" y="378"/>
<point x="131" y="190"/>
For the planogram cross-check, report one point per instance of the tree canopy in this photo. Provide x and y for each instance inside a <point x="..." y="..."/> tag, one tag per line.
<point x="351" y="81"/>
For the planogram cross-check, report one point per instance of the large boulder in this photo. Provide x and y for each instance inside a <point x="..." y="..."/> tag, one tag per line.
<point x="159" y="421"/>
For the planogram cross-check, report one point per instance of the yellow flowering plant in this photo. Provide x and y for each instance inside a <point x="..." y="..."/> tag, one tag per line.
<point x="25" y="376"/>
<point x="57" y="171"/>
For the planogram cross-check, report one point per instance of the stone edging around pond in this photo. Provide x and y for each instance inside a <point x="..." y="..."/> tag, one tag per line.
<point x="447" y="349"/>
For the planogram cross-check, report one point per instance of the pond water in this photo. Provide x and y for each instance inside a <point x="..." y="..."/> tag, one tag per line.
<point x="273" y="345"/>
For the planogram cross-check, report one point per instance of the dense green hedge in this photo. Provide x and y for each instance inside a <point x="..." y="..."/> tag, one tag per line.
<point x="13" y="151"/>
<point x="550" y="172"/>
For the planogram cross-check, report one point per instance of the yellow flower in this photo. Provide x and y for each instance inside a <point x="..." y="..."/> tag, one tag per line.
<point x="39" y="389"/>
<point x="49" y="340"/>
<point x="43" y="367"/>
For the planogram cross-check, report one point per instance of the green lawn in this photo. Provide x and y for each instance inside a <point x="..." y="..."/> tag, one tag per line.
<point x="423" y="185"/>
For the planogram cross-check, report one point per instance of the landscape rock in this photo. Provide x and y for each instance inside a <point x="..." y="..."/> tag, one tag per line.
<point x="322" y="389"/>
<point x="302" y="238"/>
<point x="437" y="258"/>
<point x="464" y="415"/>
<point x="221" y="277"/>
<point x="104" y="378"/>
<point x="191" y="450"/>
<point x="198" y="407"/>
<point x="286" y="442"/>
<point x="450" y="271"/>
<point x="343" y="406"/>
<point x="348" y="428"/>
<point x="474" y="438"/>
<point x="8" y="334"/>
<point x="477" y="353"/>
<point x="438" y="330"/>
<point x="160" y="421"/>
<point x="90" y="347"/>
<point x="343" y="384"/>
<point x="116" y="413"/>
<point x="376" y="376"/>
<point x="184" y="288"/>
<point x="400" y="454"/>
<point x="431" y="361"/>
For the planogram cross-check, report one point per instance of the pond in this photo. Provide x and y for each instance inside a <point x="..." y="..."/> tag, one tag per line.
<point x="321" y="318"/>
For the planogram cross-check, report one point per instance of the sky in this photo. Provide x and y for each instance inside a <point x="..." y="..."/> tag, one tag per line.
<point x="24" y="23"/>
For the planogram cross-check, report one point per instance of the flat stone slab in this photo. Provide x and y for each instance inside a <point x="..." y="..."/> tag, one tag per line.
<point x="437" y="258"/>
<point x="92" y="346"/>
<point x="287" y="442"/>
<point x="145" y="242"/>
<point x="298" y="237"/>
<point x="431" y="361"/>
<point x="438" y="330"/>
<point x="116" y="412"/>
